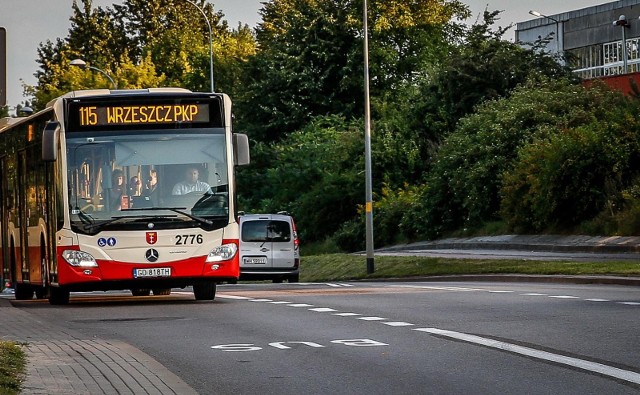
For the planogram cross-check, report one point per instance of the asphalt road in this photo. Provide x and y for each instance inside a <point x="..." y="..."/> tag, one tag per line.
<point x="378" y="338"/>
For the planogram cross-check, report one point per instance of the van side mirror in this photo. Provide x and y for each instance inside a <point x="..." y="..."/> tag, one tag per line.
<point x="241" y="149"/>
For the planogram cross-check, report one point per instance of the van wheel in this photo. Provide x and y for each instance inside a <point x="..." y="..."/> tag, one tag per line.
<point x="204" y="291"/>
<point x="294" y="278"/>
<point x="58" y="296"/>
<point x="161" y="291"/>
<point x="140" y="291"/>
<point x="277" y="280"/>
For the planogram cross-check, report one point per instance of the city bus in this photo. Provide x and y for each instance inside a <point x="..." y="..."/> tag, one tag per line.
<point x="98" y="193"/>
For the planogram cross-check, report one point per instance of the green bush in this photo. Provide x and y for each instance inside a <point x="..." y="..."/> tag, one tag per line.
<point x="351" y="236"/>
<point x="573" y="174"/>
<point x="465" y="185"/>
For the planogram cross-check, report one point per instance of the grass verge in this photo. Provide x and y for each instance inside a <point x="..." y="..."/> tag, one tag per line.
<point x="12" y="368"/>
<point x="336" y="267"/>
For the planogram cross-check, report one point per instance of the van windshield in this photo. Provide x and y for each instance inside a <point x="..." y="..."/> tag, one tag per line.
<point x="262" y="231"/>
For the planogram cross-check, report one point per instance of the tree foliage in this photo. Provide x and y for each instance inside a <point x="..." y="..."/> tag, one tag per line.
<point x="482" y="67"/>
<point x="311" y="56"/>
<point x="529" y="130"/>
<point x="314" y="174"/>
<point x="143" y="44"/>
<point x="571" y="175"/>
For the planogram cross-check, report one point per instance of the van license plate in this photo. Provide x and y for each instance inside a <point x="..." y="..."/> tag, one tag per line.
<point x="256" y="261"/>
<point x="152" y="272"/>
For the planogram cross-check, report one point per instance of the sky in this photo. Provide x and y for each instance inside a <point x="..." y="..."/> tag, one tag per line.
<point x="31" y="22"/>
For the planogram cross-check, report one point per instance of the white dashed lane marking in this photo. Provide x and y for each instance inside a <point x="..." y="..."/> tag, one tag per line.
<point x="602" y="369"/>
<point x="398" y="323"/>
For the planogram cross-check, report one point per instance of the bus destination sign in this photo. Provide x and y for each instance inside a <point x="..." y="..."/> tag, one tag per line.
<point x="142" y="114"/>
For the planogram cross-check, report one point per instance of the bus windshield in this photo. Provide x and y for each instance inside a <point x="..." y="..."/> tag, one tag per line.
<point x="120" y="180"/>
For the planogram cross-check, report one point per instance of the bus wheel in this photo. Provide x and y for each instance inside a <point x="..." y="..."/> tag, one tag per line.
<point x="140" y="291"/>
<point x="58" y="296"/>
<point x="161" y="291"/>
<point x="23" y="291"/>
<point x="204" y="291"/>
<point x="41" y="293"/>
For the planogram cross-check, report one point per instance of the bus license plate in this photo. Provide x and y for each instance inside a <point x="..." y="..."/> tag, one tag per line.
<point x="152" y="272"/>
<point x="253" y="261"/>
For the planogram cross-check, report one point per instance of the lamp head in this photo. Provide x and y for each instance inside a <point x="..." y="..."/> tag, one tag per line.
<point x="622" y="21"/>
<point x="78" y="63"/>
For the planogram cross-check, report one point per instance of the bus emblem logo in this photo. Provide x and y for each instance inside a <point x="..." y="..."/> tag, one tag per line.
<point x="152" y="237"/>
<point x="151" y="255"/>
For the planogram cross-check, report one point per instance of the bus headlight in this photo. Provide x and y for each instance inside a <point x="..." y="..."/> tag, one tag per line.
<point x="222" y="253"/>
<point x="79" y="258"/>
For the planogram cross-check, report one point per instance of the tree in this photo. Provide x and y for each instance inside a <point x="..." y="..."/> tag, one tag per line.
<point x="141" y="44"/>
<point x="482" y="67"/>
<point x="313" y="173"/>
<point x="310" y="58"/>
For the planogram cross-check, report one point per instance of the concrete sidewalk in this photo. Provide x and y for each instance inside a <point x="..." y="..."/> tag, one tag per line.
<point x="62" y="361"/>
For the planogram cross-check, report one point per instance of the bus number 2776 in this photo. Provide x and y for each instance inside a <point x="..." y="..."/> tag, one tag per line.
<point x="188" y="239"/>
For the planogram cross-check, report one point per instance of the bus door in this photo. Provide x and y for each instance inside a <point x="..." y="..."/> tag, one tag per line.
<point x="23" y="215"/>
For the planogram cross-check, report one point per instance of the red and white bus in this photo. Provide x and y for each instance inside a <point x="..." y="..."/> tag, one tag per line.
<point x="99" y="193"/>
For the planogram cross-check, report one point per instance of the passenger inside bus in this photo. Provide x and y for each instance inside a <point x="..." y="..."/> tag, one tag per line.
<point x="135" y="186"/>
<point x="151" y="191"/>
<point x="117" y="189"/>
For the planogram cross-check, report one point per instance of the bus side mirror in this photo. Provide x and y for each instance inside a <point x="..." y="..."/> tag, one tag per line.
<point x="50" y="141"/>
<point x="241" y="149"/>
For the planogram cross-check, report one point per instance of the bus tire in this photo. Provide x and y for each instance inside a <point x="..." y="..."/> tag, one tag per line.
<point x="161" y="291"/>
<point x="23" y="291"/>
<point x="204" y="291"/>
<point x="140" y="291"/>
<point x="41" y="293"/>
<point x="58" y="296"/>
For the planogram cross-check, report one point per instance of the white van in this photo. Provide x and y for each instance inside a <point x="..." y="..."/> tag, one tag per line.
<point x="269" y="248"/>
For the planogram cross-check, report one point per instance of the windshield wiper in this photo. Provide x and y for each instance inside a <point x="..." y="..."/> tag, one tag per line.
<point x="114" y="219"/>
<point x="178" y="210"/>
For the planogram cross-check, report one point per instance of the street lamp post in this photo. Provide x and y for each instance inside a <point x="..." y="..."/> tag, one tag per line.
<point x="367" y="149"/>
<point x="210" y="42"/>
<point x="624" y="23"/>
<point x="539" y="15"/>
<point x="83" y="65"/>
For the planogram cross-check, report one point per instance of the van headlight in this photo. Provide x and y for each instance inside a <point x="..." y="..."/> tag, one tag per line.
<point x="222" y="253"/>
<point x="79" y="258"/>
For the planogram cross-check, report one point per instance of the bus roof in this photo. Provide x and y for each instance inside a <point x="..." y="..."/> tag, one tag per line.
<point x="7" y="121"/>
<point x="105" y="92"/>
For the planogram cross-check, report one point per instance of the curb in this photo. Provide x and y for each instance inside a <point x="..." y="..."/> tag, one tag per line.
<point x="519" y="278"/>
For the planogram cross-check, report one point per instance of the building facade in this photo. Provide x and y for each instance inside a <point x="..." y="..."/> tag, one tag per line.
<point x="602" y="41"/>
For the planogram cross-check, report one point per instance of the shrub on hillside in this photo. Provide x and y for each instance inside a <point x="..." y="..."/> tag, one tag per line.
<point x="465" y="182"/>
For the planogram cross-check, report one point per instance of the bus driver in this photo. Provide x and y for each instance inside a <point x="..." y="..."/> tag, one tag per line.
<point x="190" y="183"/>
